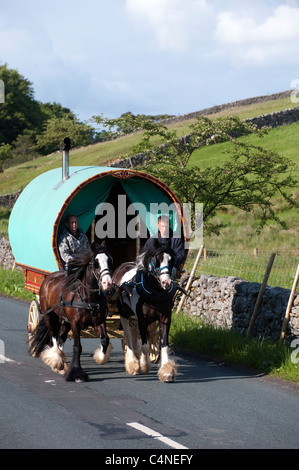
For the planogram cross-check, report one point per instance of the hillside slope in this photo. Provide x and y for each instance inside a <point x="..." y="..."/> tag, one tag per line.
<point x="17" y="177"/>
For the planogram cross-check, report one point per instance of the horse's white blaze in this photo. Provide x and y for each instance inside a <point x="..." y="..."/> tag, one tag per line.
<point x="165" y="276"/>
<point x="103" y="263"/>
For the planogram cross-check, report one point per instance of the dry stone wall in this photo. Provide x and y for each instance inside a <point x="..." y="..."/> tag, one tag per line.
<point x="8" y="200"/>
<point x="228" y="302"/>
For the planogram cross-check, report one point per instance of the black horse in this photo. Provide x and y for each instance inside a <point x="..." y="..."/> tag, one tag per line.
<point x="73" y="301"/>
<point x="146" y="293"/>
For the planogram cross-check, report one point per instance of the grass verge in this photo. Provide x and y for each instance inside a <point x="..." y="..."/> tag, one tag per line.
<point x="12" y="284"/>
<point x="268" y="357"/>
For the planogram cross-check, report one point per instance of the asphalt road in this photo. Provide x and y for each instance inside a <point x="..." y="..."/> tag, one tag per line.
<point x="210" y="406"/>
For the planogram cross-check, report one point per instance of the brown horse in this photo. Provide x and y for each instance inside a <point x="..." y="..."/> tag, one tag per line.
<point x="146" y="293"/>
<point x="73" y="301"/>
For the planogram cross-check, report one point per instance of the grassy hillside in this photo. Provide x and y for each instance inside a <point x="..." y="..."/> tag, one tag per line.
<point x="19" y="176"/>
<point x="239" y="233"/>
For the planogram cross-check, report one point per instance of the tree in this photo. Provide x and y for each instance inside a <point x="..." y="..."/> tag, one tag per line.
<point x="248" y="180"/>
<point x="5" y="154"/>
<point x="24" y="149"/>
<point x="56" y="129"/>
<point x="19" y="111"/>
<point x="127" y="122"/>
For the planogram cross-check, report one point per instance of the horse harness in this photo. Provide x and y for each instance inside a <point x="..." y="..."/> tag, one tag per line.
<point x="146" y="292"/>
<point x="92" y="306"/>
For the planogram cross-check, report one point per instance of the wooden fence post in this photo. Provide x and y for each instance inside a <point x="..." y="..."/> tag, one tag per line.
<point x="289" y="306"/>
<point x="261" y="293"/>
<point x="190" y="278"/>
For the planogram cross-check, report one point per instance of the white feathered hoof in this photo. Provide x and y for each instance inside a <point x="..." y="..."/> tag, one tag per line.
<point x="100" y="357"/>
<point x="131" y="364"/>
<point x="168" y="371"/>
<point x="145" y="364"/>
<point x="54" y="358"/>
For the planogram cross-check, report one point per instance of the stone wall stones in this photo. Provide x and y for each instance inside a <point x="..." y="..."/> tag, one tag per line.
<point x="228" y="302"/>
<point x="8" y="200"/>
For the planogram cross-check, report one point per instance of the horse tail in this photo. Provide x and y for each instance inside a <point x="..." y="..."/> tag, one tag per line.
<point x="41" y="338"/>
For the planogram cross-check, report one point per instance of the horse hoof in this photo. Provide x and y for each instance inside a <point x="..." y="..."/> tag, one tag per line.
<point x="76" y="376"/>
<point x="132" y="368"/>
<point x="100" y="357"/>
<point x="167" y="372"/>
<point x="168" y="379"/>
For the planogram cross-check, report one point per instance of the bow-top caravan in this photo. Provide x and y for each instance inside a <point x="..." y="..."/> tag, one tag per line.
<point x="114" y="204"/>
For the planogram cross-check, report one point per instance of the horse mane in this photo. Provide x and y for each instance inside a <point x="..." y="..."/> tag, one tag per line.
<point x="77" y="267"/>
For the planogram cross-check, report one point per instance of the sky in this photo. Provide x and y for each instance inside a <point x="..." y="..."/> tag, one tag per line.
<point x="150" y="56"/>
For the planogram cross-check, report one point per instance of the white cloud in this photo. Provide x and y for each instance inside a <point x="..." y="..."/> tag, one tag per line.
<point x="175" y="23"/>
<point x="282" y="25"/>
<point x="256" y="41"/>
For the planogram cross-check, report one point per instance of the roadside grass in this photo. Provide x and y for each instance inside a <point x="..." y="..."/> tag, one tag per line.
<point x="12" y="284"/>
<point x="264" y="356"/>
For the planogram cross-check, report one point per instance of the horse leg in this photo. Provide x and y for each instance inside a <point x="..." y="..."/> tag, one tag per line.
<point x="102" y="354"/>
<point x="145" y="363"/>
<point x="75" y="373"/>
<point x="168" y="367"/>
<point x="132" y="353"/>
<point x="51" y="354"/>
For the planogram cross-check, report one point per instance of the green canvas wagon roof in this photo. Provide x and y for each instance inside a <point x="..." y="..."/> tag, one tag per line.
<point x="39" y="212"/>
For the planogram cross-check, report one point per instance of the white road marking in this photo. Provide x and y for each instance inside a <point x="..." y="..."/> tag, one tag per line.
<point x="6" y="359"/>
<point x="156" y="435"/>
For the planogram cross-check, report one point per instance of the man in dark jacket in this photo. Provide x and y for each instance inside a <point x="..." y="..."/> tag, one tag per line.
<point x="72" y="240"/>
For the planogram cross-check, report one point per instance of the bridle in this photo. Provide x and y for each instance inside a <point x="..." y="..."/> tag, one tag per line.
<point x="157" y="272"/>
<point x="97" y="275"/>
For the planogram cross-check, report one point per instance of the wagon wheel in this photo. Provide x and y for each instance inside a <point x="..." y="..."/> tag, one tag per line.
<point x="33" y="319"/>
<point x="154" y="342"/>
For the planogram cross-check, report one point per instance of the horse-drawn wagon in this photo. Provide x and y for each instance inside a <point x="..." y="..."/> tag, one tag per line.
<point x="110" y="203"/>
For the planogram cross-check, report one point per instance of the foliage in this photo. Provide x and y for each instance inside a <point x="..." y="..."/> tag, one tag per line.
<point x="28" y="125"/>
<point x="5" y="154"/>
<point x="57" y="128"/>
<point x="127" y="122"/>
<point x="249" y="178"/>
<point x="19" y="111"/>
<point x="12" y="284"/>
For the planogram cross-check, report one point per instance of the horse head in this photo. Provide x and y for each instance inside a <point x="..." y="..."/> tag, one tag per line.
<point x="160" y="260"/>
<point x="102" y="260"/>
